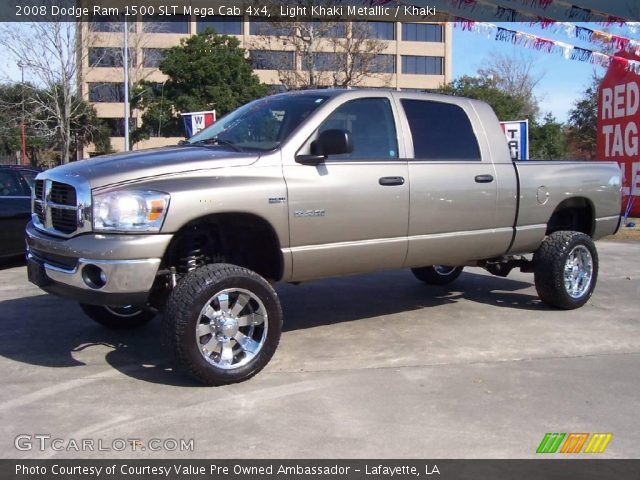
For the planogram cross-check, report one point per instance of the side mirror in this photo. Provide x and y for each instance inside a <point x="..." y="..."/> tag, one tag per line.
<point x="329" y="142"/>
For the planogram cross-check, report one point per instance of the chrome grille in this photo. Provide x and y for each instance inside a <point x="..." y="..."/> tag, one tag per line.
<point x="64" y="220"/>
<point x="62" y="194"/>
<point x="39" y="211"/>
<point x="61" y="208"/>
<point x="39" y="189"/>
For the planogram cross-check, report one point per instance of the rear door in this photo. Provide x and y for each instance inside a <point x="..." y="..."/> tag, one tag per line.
<point x="454" y="185"/>
<point x="350" y="213"/>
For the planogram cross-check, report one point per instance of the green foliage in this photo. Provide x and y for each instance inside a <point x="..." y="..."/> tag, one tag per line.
<point x="206" y="72"/>
<point x="583" y="122"/>
<point x="548" y="139"/>
<point x="42" y="129"/>
<point x="506" y="106"/>
<point x="10" y="118"/>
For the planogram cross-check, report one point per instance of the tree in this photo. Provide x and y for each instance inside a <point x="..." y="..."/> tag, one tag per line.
<point x="85" y="126"/>
<point x="583" y="122"/>
<point x="324" y="53"/>
<point x="206" y="72"/>
<point x="548" y="139"/>
<point x="516" y="75"/>
<point x="49" y="55"/>
<point x="507" y="106"/>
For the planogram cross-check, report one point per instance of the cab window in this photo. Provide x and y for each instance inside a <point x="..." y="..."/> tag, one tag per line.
<point x="440" y="131"/>
<point x="370" y="122"/>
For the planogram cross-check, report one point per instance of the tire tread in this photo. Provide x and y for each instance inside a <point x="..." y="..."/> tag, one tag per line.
<point x="549" y="262"/>
<point x="175" y="321"/>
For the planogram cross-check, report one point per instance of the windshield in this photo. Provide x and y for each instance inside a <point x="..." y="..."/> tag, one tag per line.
<point x="262" y="124"/>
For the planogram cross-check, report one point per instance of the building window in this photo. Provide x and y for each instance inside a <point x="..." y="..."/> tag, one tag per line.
<point x="104" y="23"/>
<point x="106" y="92"/>
<point x="268" y="29"/>
<point x="272" y="60"/>
<point x="115" y="126"/>
<point x="324" y="29"/>
<point x="178" y="24"/>
<point x="415" y="65"/>
<point x="379" y="30"/>
<point x="105" y="57"/>
<point x="223" y="25"/>
<point x="381" y="63"/>
<point x="323" y="61"/>
<point x="152" y="57"/>
<point x="440" y="131"/>
<point x="422" y="32"/>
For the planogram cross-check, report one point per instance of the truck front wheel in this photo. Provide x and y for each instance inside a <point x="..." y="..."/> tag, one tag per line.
<point x="437" y="274"/>
<point x="566" y="269"/>
<point x="222" y="323"/>
<point x="118" y="318"/>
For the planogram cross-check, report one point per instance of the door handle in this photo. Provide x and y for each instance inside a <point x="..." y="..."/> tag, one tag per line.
<point x="390" y="181"/>
<point x="484" y="178"/>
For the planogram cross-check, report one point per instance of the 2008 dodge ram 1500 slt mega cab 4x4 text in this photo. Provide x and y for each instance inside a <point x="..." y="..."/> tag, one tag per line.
<point x="301" y="186"/>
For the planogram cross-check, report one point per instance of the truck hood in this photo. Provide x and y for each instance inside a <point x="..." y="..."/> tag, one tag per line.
<point x="124" y="167"/>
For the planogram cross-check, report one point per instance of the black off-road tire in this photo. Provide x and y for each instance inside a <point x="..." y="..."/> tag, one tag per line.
<point x="182" y="317"/>
<point x="437" y="274"/>
<point x="118" y="318"/>
<point x="550" y="261"/>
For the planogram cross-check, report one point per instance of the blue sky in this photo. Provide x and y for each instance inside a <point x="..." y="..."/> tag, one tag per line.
<point x="563" y="81"/>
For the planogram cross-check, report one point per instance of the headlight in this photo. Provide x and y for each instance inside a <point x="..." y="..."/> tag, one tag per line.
<point x="130" y="211"/>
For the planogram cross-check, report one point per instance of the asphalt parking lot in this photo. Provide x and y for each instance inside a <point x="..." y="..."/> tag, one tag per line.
<point x="372" y="366"/>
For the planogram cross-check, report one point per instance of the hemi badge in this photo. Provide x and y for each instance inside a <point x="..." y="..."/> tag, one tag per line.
<point x="277" y="200"/>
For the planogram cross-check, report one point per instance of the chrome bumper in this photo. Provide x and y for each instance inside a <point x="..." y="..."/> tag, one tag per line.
<point x="96" y="268"/>
<point x="121" y="276"/>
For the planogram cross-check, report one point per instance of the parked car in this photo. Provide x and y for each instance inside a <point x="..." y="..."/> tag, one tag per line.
<point x="301" y="186"/>
<point x="15" y="207"/>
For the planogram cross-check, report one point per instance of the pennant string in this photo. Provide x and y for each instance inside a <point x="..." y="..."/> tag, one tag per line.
<point x="534" y="42"/>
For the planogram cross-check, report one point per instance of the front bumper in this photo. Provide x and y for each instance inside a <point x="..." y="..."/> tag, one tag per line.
<point x="125" y="265"/>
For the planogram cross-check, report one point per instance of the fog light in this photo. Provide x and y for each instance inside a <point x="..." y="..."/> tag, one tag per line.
<point x="94" y="277"/>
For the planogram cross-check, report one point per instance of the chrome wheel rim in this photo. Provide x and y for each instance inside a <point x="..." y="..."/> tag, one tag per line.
<point x="443" y="269"/>
<point x="232" y="328"/>
<point x="124" y="311"/>
<point x="578" y="271"/>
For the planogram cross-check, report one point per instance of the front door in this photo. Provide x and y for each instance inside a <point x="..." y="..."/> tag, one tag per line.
<point x="349" y="214"/>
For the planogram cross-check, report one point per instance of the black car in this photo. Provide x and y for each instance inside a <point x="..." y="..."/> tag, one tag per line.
<point x="15" y="207"/>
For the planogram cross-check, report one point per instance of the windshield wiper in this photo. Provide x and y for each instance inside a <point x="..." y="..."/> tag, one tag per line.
<point x="218" y="141"/>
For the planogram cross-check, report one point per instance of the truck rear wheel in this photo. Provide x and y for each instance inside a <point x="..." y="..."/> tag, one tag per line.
<point x="437" y="274"/>
<point x="222" y="323"/>
<point x="118" y="318"/>
<point x="566" y="269"/>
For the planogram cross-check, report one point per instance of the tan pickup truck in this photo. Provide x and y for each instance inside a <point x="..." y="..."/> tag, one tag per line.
<point x="301" y="186"/>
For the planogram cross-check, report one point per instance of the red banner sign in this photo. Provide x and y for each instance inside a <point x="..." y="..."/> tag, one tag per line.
<point x="618" y="136"/>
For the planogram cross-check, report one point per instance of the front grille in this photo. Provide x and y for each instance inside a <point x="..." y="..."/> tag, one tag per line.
<point x="64" y="220"/>
<point x="63" y="194"/>
<point x="39" y="211"/>
<point x="56" y="207"/>
<point x="39" y="189"/>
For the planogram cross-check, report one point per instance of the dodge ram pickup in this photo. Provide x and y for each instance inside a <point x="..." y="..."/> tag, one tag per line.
<point x="301" y="186"/>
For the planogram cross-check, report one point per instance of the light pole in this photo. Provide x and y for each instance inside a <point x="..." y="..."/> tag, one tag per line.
<point x="23" y="136"/>
<point x="126" y="86"/>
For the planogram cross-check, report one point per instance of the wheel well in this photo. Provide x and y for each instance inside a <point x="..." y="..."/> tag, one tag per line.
<point x="574" y="214"/>
<point x="241" y="239"/>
